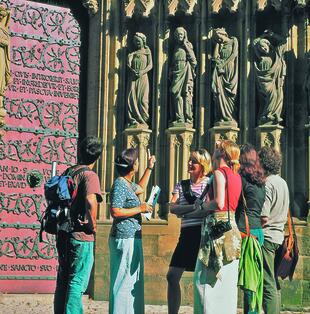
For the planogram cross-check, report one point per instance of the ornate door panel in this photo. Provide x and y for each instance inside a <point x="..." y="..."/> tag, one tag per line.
<point x="41" y="127"/>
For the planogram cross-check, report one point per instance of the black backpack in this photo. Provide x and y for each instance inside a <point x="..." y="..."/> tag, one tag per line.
<point x="60" y="192"/>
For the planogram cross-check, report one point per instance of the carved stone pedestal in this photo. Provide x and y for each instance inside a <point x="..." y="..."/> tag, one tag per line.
<point x="179" y="142"/>
<point x="269" y="135"/>
<point x="223" y="132"/>
<point x="307" y="126"/>
<point x="139" y="138"/>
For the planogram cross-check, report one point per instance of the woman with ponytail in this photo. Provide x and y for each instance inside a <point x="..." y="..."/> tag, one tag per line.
<point x="216" y="272"/>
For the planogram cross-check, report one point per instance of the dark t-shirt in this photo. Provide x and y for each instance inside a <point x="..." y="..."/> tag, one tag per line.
<point x="255" y="198"/>
<point x="88" y="183"/>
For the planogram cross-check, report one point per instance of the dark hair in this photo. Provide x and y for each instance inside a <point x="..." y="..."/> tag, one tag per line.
<point x="250" y="167"/>
<point x="125" y="161"/>
<point x="271" y="160"/>
<point x="89" y="150"/>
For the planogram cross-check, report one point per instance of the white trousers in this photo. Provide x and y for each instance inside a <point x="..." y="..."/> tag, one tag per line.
<point x="220" y="298"/>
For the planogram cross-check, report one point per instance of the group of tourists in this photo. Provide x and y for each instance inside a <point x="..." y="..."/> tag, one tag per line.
<point x="233" y="209"/>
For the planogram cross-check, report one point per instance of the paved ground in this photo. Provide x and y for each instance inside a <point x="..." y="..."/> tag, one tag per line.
<point x="42" y="304"/>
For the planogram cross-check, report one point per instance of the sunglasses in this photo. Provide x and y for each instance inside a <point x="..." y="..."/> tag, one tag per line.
<point x="193" y="161"/>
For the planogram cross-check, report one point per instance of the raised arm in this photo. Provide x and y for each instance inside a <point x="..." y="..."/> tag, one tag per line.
<point x="147" y="173"/>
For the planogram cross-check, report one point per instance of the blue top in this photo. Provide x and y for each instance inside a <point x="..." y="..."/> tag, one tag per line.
<point x="123" y="196"/>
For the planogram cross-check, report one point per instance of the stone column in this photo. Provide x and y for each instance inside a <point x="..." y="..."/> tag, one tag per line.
<point x="222" y="132"/>
<point x="307" y="126"/>
<point x="139" y="138"/>
<point x="179" y="142"/>
<point x="269" y="135"/>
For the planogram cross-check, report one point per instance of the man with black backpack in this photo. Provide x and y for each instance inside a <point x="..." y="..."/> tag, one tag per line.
<point x="76" y="247"/>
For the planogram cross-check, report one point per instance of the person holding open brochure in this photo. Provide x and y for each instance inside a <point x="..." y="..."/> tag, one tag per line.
<point x="125" y="243"/>
<point x="183" y="197"/>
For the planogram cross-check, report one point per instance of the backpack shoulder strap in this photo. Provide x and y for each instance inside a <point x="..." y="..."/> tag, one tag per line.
<point x="71" y="171"/>
<point x="186" y="185"/>
<point x="187" y="191"/>
<point x="80" y="170"/>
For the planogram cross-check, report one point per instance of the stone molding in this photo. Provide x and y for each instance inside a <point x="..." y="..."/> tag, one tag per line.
<point x="231" y="5"/>
<point x="270" y="136"/>
<point x="234" y="5"/>
<point x="224" y="133"/>
<point x="180" y="140"/>
<point x="186" y="6"/>
<point x="140" y="139"/>
<point x="280" y="4"/>
<point x="91" y="5"/>
<point x="140" y="7"/>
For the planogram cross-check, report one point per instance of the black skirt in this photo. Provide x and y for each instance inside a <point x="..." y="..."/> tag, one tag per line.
<point x="186" y="251"/>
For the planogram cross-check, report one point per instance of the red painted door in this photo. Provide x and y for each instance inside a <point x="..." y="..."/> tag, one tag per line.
<point x="41" y="127"/>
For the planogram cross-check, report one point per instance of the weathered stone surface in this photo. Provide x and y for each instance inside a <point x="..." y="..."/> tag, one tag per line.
<point x="167" y="244"/>
<point x="270" y="72"/>
<point x="139" y="63"/>
<point x="91" y="5"/>
<point x="292" y="293"/>
<point x="150" y="245"/>
<point x="225" y="76"/>
<point x="186" y="6"/>
<point x="156" y="265"/>
<point x="183" y="77"/>
<point x="306" y="294"/>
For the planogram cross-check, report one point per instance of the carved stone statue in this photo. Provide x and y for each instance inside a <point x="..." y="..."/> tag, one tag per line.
<point x="225" y="76"/>
<point x="183" y="74"/>
<point x="5" y="74"/>
<point x="139" y="63"/>
<point x="270" y="70"/>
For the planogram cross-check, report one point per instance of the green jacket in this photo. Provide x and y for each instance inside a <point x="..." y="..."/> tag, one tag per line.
<point x="251" y="271"/>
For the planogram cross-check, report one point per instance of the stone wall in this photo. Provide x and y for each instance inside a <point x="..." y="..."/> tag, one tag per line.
<point x="159" y="241"/>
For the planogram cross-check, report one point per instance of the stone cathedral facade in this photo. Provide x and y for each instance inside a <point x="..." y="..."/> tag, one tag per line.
<point x="166" y="75"/>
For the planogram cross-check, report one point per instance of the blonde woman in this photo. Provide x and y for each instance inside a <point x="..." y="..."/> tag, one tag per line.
<point x="184" y="195"/>
<point x="216" y="272"/>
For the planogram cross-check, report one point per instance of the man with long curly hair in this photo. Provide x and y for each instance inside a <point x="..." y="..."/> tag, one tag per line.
<point x="273" y="217"/>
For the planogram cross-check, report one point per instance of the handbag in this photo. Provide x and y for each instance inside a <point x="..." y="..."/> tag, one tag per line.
<point x="246" y="220"/>
<point x="287" y="254"/>
<point x="220" y="227"/>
